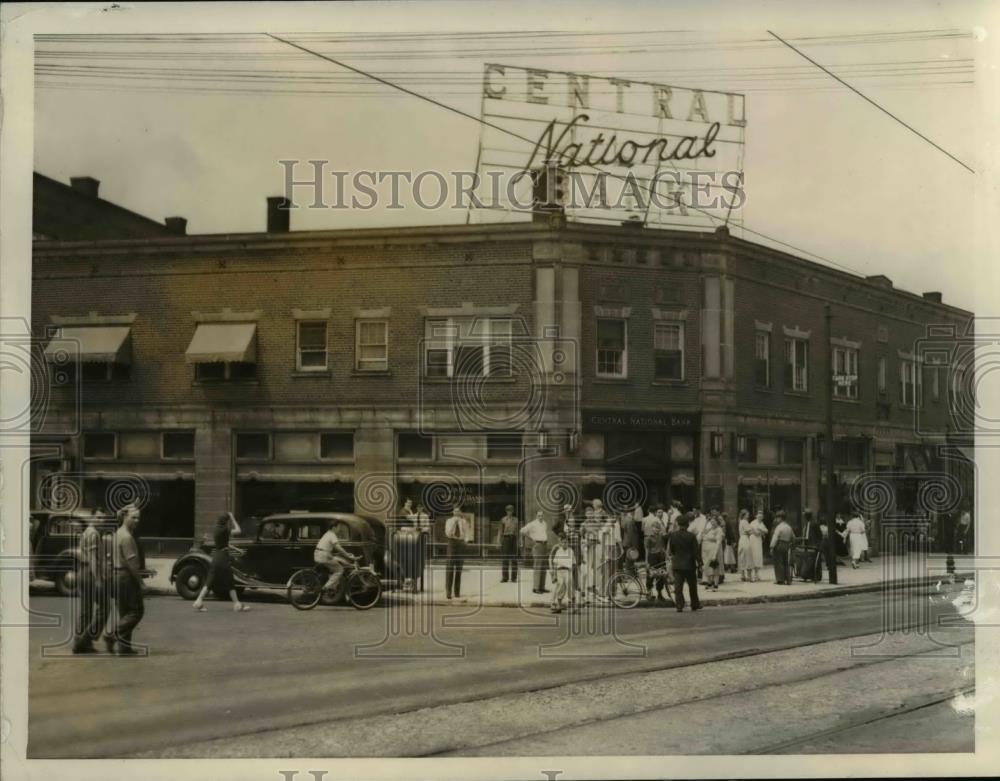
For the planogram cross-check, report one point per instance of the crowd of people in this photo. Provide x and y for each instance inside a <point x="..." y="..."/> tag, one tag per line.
<point x="666" y="548"/>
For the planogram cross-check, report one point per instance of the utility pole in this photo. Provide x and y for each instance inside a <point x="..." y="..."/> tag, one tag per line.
<point x="830" y="493"/>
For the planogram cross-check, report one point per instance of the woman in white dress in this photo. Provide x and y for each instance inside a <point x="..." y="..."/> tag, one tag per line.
<point x="743" y="556"/>
<point x="758" y="531"/>
<point x="857" y="539"/>
<point x="713" y="541"/>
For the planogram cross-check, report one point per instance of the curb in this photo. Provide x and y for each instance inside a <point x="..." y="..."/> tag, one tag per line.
<point x="792" y="596"/>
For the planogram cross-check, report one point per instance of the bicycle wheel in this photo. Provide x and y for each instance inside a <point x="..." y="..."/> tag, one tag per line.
<point x="363" y="589"/>
<point x="625" y="590"/>
<point x="305" y="588"/>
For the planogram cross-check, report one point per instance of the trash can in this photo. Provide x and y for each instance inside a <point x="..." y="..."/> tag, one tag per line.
<point x="409" y="552"/>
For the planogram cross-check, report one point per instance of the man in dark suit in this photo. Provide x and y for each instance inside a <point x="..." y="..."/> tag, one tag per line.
<point x="811" y="562"/>
<point x="684" y="553"/>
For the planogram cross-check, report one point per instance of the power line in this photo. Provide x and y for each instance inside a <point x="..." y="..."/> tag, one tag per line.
<point x="876" y="105"/>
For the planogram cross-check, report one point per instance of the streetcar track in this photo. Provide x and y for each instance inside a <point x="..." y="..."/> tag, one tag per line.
<point x="807" y="676"/>
<point x="928" y="701"/>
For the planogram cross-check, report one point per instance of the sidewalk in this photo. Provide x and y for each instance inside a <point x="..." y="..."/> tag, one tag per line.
<point x="481" y="584"/>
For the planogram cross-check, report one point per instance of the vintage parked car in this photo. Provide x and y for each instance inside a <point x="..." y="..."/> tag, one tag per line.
<point x="283" y="544"/>
<point x="55" y="544"/>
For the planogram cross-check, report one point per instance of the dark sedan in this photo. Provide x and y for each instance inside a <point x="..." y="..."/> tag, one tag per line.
<point x="282" y="544"/>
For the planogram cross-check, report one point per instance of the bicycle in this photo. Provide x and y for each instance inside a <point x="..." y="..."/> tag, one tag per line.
<point x="626" y="590"/>
<point x="361" y="586"/>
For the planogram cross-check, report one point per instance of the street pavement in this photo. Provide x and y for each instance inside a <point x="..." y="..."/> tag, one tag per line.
<point x="280" y="682"/>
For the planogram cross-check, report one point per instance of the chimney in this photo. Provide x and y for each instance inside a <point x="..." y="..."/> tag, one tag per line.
<point x="278" y="214"/>
<point x="87" y="185"/>
<point x="176" y="225"/>
<point x="934" y="296"/>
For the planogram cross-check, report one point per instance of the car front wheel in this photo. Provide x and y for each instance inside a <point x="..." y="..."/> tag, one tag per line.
<point x="190" y="580"/>
<point x="66" y="582"/>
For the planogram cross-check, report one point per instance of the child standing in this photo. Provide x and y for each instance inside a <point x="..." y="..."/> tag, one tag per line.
<point x="561" y="562"/>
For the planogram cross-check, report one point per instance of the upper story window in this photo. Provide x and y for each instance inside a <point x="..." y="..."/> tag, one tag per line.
<point x="612" y="348"/>
<point x="468" y="346"/>
<point x="796" y="365"/>
<point x="762" y="359"/>
<point x="253" y="445"/>
<point x="668" y="349"/>
<point x="503" y="446"/>
<point x="177" y="445"/>
<point x="845" y="373"/>
<point x="882" y="374"/>
<point x="100" y="444"/>
<point x="311" y="345"/>
<point x="92" y="353"/>
<point x="413" y="445"/>
<point x="336" y="445"/>
<point x="909" y="383"/>
<point x="371" y="348"/>
<point x="792" y="451"/>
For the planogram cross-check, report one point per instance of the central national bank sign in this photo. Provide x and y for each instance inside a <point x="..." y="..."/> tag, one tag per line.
<point x="637" y="150"/>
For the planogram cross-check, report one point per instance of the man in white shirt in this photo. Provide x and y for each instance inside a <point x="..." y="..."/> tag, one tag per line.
<point x="672" y="515"/>
<point x="456" y="532"/>
<point x="332" y="556"/>
<point x="538" y="533"/>
<point x="697" y="527"/>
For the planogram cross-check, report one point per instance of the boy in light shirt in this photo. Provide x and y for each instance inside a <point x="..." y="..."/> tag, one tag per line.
<point x="561" y="562"/>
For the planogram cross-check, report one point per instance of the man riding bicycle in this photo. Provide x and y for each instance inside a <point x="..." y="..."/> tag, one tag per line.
<point x="330" y="555"/>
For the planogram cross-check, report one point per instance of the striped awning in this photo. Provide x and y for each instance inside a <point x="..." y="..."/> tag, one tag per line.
<point x="682" y="477"/>
<point x="223" y="343"/>
<point x="91" y="344"/>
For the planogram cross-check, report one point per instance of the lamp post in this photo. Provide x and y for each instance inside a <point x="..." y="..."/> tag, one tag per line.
<point x="830" y="493"/>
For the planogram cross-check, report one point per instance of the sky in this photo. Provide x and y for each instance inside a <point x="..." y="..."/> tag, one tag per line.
<point x="194" y="125"/>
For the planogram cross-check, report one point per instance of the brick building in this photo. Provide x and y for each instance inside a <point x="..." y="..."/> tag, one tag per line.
<point x="525" y="363"/>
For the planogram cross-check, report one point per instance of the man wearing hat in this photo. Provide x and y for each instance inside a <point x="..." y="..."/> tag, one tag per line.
<point x="507" y="538"/>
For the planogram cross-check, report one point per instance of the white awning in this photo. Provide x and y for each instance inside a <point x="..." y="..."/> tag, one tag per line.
<point x="92" y="344"/>
<point x="223" y="343"/>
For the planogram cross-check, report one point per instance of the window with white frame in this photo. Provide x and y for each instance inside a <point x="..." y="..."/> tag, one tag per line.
<point x="371" y="347"/>
<point x="882" y="380"/>
<point x="612" y="348"/>
<point x="845" y="373"/>
<point x="312" y="347"/>
<point x="762" y="359"/>
<point x="668" y="350"/>
<point x="796" y="365"/>
<point x="909" y="383"/>
<point x="468" y="346"/>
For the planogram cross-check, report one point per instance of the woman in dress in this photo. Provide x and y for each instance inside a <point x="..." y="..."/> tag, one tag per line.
<point x="220" y="571"/>
<point x="758" y="531"/>
<point x="713" y="541"/>
<point x="744" y="559"/>
<point x="857" y="540"/>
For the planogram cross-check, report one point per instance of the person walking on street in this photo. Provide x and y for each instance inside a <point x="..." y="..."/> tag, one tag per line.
<point x="758" y="531"/>
<point x="128" y="558"/>
<point x="561" y="562"/>
<point x="220" y="570"/>
<point x="507" y="539"/>
<point x="455" y="533"/>
<point x="713" y="542"/>
<point x="684" y="553"/>
<point x="857" y="540"/>
<point x="538" y="533"/>
<point x="93" y="596"/>
<point x="781" y="546"/>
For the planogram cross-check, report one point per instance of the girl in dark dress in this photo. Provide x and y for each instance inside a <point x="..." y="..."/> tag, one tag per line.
<point x="220" y="571"/>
